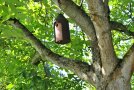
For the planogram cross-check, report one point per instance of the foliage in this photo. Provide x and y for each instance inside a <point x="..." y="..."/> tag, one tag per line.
<point x="121" y="11"/>
<point x="16" y="70"/>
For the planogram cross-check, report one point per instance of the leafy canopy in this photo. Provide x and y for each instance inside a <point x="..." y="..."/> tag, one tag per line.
<point x="16" y="54"/>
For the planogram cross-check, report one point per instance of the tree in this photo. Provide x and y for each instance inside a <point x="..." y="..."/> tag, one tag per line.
<point x="105" y="29"/>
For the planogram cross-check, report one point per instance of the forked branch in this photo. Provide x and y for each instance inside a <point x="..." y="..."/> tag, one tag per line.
<point x="128" y="62"/>
<point x="82" y="69"/>
<point x="121" y="28"/>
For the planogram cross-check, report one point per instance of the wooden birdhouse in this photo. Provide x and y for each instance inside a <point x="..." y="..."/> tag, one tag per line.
<point x="61" y="30"/>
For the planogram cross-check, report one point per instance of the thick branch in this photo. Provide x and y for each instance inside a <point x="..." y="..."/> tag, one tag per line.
<point x="6" y="33"/>
<point x="107" y="10"/>
<point x="82" y="69"/>
<point x="120" y="27"/>
<point x="97" y="8"/>
<point x="128" y="63"/>
<point x="36" y="59"/>
<point x="101" y="23"/>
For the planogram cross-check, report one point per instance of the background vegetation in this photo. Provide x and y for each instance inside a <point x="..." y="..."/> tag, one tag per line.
<point x="17" y="71"/>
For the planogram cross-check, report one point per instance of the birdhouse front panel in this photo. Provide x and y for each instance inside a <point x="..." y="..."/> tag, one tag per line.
<point x="58" y="32"/>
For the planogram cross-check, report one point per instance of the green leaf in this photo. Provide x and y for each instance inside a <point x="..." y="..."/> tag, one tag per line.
<point x="9" y="86"/>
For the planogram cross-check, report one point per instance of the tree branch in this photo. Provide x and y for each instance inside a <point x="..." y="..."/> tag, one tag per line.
<point x="128" y="63"/>
<point x="107" y="8"/>
<point x="82" y="69"/>
<point x="120" y="27"/>
<point x="36" y="59"/>
<point x="100" y="21"/>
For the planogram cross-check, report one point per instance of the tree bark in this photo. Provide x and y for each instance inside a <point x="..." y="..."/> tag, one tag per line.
<point x="119" y="83"/>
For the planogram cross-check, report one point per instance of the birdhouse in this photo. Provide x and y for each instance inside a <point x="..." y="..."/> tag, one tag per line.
<point x="61" y="30"/>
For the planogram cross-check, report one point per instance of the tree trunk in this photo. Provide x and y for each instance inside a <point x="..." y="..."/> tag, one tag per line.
<point x="116" y="81"/>
<point x="118" y="84"/>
